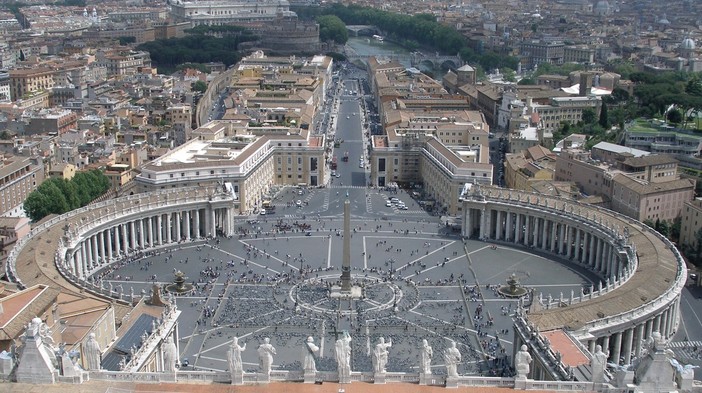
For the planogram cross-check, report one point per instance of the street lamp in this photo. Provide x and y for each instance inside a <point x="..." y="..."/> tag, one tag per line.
<point x="391" y="261"/>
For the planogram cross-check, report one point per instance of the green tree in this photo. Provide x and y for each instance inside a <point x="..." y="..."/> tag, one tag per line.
<point x="124" y="40"/>
<point x="331" y="28"/>
<point x="588" y="116"/>
<point x="675" y="116"/>
<point x="604" y="117"/>
<point x="199" y="86"/>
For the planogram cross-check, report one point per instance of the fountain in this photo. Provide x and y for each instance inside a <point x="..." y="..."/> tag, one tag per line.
<point x="513" y="289"/>
<point x="179" y="286"/>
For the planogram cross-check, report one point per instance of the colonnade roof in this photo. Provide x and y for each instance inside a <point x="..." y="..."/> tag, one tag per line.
<point x="658" y="269"/>
<point x="35" y="265"/>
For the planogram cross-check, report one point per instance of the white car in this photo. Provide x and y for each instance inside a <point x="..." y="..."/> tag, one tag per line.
<point x="263" y="212"/>
<point x="298" y="203"/>
<point x="360" y="164"/>
<point x="388" y="204"/>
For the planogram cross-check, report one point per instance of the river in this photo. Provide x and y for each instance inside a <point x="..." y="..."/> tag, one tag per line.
<point x="367" y="46"/>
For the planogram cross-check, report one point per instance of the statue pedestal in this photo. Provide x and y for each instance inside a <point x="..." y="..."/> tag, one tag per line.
<point x="237" y="378"/>
<point x="425" y="379"/>
<point x="452" y="381"/>
<point x="264" y="378"/>
<point x="310" y="376"/>
<point x="521" y="382"/>
<point x="379" y="378"/>
<point x="344" y="379"/>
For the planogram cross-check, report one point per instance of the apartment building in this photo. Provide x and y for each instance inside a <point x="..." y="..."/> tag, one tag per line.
<point x="566" y="109"/>
<point x="19" y="176"/>
<point x="691" y="223"/>
<point x="535" y="52"/>
<point x="532" y="165"/>
<point x="24" y="82"/>
<point x="122" y="61"/>
<point x="180" y="117"/>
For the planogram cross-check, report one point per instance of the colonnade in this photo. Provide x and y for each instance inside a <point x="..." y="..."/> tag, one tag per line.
<point x="582" y="241"/>
<point x="577" y="241"/>
<point x="108" y="243"/>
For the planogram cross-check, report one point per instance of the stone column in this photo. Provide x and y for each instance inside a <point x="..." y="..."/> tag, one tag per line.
<point x="616" y="350"/>
<point x="598" y="255"/>
<point x="657" y="323"/>
<point x="132" y="234"/>
<point x="177" y="225"/>
<point x="483" y="224"/>
<point x="498" y="226"/>
<point x="142" y="243"/>
<point x="150" y="230"/>
<point x="638" y="337"/>
<point x="578" y="234"/>
<point x="169" y="228"/>
<point x="125" y="239"/>
<point x="561" y="238"/>
<point x="186" y="225"/>
<point x="159" y="229"/>
<point x="649" y="328"/>
<point x="110" y="243"/>
<point x="544" y="234"/>
<point x="508" y="227"/>
<point x="95" y="251"/>
<point x="605" y="345"/>
<point x="554" y="232"/>
<point x="527" y="229"/>
<point x="535" y="240"/>
<point x="628" y="341"/>
<point x="591" y="255"/>
<point x="569" y="242"/>
<point x="213" y="222"/>
<point x="78" y="262"/>
<point x="197" y="224"/>
<point x="101" y="244"/>
<point x="85" y="258"/>
<point x="518" y="229"/>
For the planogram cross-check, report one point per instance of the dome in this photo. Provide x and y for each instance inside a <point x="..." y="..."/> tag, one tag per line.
<point x="688" y="43"/>
<point x="602" y="7"/>
<point x="664" y="20"/>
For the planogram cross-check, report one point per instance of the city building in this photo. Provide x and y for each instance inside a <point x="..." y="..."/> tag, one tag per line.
<point x="631" y="181"/>
<point x="691" y="224"/>
<point x="215" y="12"/>
<point x="249" y="158"/>
<point x="19" y="176"/>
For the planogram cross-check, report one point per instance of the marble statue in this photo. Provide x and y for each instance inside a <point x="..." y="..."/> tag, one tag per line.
<point x="452" y="356"/>
<point x="598" y="363"/>
<point x="234" y="356"/>
<point x="427" y="353"/>
<point x="380" y="355"/>
<point x="92" y="353"/>
<point x="308" y="359"/>
<point x="265" y="356"/>
<point x="343" y="355"/>
<point x="522" y="362"/>
<point x="170" y="355"/>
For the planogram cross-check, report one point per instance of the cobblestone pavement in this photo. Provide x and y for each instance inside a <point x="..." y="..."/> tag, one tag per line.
<point x="419" y="281"/>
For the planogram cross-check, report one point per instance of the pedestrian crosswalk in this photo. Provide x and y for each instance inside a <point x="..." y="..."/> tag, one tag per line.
<point x="339" y="186"/>
<point x="685" y="344"/>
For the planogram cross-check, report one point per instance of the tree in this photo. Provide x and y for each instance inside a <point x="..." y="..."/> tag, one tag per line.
<point x="675" y="116"/>
<point x="588" y="116"/>
<point x="199" y="86"/>
<point x="604" y="117"/>
<point x="331" y="28"/>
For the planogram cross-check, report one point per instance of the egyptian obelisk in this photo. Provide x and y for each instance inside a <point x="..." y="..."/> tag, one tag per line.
<point x="346" y="262"/>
